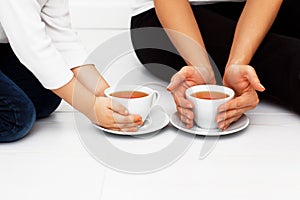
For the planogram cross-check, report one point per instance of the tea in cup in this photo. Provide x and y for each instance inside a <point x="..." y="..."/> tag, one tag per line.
<point x="137" y="99"/>
<point x="206" y="100"/>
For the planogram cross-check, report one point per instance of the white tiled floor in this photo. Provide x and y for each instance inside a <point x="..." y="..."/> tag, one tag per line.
<point x="261" y="162"/>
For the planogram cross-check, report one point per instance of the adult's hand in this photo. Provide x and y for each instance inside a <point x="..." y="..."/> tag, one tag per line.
<point x="244" y="81"/>
<point x="112" y="115"/>
<point x="187" y="77"/>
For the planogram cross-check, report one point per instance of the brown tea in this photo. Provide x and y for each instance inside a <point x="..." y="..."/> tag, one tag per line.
<point x="129" y="94"/>
<point x="210" y="95"/>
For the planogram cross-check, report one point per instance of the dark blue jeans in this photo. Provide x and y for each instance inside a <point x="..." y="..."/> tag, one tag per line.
<point x="22" y="97"/>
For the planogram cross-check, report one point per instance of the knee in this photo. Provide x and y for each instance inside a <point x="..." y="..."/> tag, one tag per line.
<point x="17" y="121"/>
<point x="295" y="84"/>
<point x="47" y="106"/>
<point x="293" y="78"/>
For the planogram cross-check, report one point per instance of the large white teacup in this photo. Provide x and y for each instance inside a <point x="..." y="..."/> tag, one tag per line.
<point x="206" y="100"/>
<point x="137" y="99"/>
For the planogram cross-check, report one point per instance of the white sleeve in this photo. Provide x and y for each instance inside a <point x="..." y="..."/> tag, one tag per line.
<point x="26" y="33"/>
<point x="56" y="16"/>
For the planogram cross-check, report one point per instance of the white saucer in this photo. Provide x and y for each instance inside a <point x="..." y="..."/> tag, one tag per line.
<point x="156" y="120"/>
<point x="239" y="125"/>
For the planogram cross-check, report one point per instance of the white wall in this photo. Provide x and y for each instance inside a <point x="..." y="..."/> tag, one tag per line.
<point x="100" y="13"/>
<point x="98" y="20"/>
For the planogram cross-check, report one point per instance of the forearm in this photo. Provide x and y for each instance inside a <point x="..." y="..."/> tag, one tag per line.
<point x="79" y="97"/>
<point x="254" y="23"/>
<point x="90" y="78"/>
<point x="179" y="21"/>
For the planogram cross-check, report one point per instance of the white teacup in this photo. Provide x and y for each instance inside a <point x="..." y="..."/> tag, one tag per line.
<point x="206" y="109"/>
<point x="137" y="99"/>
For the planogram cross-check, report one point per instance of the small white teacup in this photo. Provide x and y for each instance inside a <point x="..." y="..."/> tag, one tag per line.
<point x="206" y="100"/>
<point x="137" y="99"/>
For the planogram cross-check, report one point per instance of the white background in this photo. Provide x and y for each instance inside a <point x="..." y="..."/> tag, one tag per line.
<point x="261" y="162"/>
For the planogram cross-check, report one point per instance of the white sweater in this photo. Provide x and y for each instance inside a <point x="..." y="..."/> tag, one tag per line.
<point x="139" y="6"/>
<point x="40" y="34"/>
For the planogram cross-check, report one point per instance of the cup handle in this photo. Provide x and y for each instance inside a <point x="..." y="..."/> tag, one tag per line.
<point x="155" y="99"/>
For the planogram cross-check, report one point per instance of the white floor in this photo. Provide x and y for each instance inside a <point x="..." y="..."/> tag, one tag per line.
<point x="261" y="162"/>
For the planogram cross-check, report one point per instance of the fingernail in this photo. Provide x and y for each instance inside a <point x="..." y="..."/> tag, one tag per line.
<point x="168" y="87"/>
<point x="219" y="119"/>
<point x="224" y="128"/>
<point x="137" y="119"/>
<point x="262" y="86"/>
<point x="221" y="126"/>
<point x="126" y="112"/>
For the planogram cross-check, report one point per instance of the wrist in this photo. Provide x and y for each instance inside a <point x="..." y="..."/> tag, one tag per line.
<point x="92" y="113"/>
<point x="207" y="74"/>
<point x="239" y="60"/>
<point x="101" y="87"/>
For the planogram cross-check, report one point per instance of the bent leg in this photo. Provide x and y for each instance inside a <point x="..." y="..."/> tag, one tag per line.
<point x="287" y="20"/>
<point x="162" y="60"/>
<point x="277" y="62"/>
<point x="17" y="112"/>
<point x="44" y="100"/>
